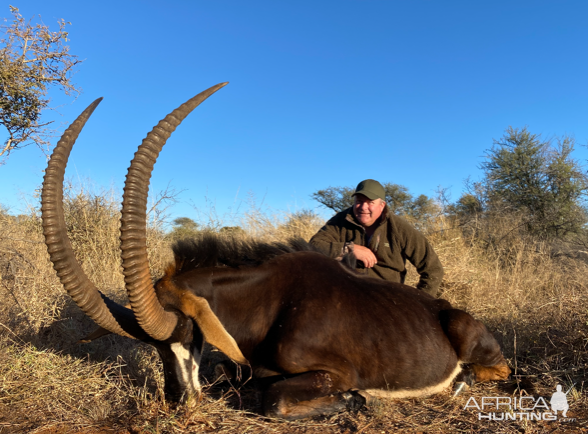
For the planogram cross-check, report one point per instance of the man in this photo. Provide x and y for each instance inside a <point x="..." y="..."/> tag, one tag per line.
<point x="381" y="241"/>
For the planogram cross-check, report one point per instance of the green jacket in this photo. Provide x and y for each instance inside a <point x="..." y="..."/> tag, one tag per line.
<point x="393" y="242"/>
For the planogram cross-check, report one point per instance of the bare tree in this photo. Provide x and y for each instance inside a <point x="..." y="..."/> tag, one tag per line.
<point x="33" y="59"/>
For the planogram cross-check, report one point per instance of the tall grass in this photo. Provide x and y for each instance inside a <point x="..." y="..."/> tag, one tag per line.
<point x="533" y="296"/>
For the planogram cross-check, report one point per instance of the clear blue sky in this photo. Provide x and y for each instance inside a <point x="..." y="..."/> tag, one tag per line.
<point x="321" y="93"/>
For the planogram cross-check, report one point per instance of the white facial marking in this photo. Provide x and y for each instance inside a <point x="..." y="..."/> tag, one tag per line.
<point x="186" y="366"/>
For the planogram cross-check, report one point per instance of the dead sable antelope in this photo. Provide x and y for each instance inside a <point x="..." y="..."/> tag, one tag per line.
<point x="329" y="337"/>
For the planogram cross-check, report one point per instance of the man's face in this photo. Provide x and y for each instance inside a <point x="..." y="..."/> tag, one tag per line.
<point x="367" y="211"/>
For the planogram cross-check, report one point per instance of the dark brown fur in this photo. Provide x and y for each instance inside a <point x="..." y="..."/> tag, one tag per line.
<point x="324" y="329"/>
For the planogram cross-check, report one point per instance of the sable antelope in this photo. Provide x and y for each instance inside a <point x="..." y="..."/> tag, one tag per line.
<point x="329" y="337"/>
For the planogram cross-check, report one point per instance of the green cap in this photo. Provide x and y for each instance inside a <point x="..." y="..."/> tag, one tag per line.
<point x="371" y="189"/>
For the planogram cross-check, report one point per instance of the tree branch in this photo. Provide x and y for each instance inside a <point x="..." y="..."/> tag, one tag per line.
<point x="33" y="60"/>
<point x="7" y="147"/>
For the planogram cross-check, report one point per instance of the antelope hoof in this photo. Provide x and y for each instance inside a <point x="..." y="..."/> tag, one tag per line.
<point x="355" y="400"/>
<point x="459" y="387"/>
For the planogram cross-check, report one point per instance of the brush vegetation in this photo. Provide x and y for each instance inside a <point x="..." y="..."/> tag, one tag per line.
<point x="530" y="292"/>
<point x="513" y="247"/>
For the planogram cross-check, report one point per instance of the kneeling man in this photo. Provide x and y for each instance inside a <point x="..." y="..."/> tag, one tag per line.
<point x="381" y="241"/>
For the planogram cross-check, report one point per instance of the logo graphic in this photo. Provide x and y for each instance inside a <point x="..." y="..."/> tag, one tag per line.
<point x="559" y="401"/>
<point x="522" y="408"/>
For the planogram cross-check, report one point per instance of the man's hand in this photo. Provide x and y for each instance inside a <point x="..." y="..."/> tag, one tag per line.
<point x="365" y="255"/>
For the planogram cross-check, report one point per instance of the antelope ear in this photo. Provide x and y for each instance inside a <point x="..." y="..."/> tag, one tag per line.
<point x="214" y="332"/>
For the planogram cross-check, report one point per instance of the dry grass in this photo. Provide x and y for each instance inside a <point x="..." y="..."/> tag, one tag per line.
<point x="535" y="301"/>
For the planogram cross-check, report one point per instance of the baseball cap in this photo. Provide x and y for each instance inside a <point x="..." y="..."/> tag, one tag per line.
<point x="371" y="189"/>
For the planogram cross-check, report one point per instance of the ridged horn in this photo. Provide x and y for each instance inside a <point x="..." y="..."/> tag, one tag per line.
<point x="102" y="310"/>
<point x="155" y="321"/>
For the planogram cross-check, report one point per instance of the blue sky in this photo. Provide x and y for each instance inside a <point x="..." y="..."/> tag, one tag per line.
<point x="321" y="93"/>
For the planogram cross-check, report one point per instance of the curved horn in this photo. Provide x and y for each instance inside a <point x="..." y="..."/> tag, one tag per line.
<point x="102" y="310"/>
<point x="157" y="323"/>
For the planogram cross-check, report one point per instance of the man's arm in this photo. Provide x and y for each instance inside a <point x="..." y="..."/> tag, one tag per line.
<point x="329" y="239"/>
<point x="421" y="254"/>
<point x="365" y="255"/>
